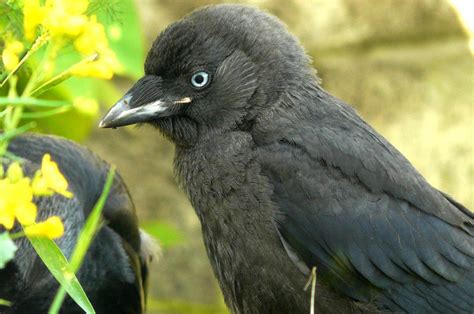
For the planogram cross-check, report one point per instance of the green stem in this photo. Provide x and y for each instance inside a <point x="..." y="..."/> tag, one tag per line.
<point x="7" y="135"/>
<point x="14" y="113"/>
<point x="36" y="75"/>
<point x="7" y="120"/>
<point x="44" y="114"/>
<point x="33" y="102"/>
<point x="17" y="235"/>
<point x="59" y="78"/>
<point x="39" y="42"/>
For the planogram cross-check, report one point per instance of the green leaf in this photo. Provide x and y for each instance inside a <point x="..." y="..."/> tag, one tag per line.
<point x="5" y="302"/>
<point x="60" y="124"/>
<point x="59" y="267"/>
<point x="61" y="77"/>
<point x="15" y="132"/>
<point x="32" y="102"/>
<point x="92" y="223"/>
<point x="46" y="113"/>
<point x="11" y="19"/>
<point x="167" y="234"/>
<point x="124" y="32"/>
<point x="7" y="249"/>
<point x="125" y="37"/>
<point x="85" y="239"/>
<point x="58" y="79"/>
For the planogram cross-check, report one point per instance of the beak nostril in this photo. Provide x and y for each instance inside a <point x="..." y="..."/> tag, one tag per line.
<point x="126" y="99"/>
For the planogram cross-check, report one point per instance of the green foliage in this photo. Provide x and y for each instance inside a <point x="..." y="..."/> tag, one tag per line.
<point x="125" y="36"/>
<point x="124" y="33"/>
<point x="5" y="302"/>
<point x="59" y="267"/>
<point x="84" y="240"/>
<point x="36" y="81"/>
<point x="183" y="307"/>
<point x="11" y="19"/>
<point x="167" y="234"/>
<point x="7" y="249"/>
<point x="30" y="101"/>
<point x="123" y="29"/>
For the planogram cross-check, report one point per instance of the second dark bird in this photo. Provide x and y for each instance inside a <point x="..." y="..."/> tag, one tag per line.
<point x="114" y="272"/>
<point x="284" y="177"/>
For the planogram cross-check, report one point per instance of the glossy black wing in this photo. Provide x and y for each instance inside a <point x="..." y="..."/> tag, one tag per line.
<point x="352" y="205"/>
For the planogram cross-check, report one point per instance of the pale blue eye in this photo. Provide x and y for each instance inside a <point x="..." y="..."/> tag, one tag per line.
<point x="200" y="79"/>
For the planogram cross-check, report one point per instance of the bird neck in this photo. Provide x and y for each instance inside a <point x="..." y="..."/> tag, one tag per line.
<point x="222" y="180"/>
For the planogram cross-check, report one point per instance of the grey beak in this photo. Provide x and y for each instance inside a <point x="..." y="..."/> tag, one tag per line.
<point x="144" y="102"/>
<point x="122" y="113"/>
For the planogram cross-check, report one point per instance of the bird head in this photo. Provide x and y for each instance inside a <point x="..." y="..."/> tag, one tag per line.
<point x="212" y="71"/>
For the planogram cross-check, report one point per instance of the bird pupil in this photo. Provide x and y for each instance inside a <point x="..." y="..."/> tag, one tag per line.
<point x="199" y="79"/>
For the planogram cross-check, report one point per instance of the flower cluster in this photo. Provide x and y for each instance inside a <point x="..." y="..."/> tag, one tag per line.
<point x="10" y="54"/>
<point x="63" y="22"/>
<point x="16" y="197"/>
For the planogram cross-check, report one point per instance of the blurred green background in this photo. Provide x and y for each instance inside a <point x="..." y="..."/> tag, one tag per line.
<point x="405" y="65"/>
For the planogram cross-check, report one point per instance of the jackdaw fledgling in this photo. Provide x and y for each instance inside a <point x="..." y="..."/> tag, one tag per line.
<point x="115" y="269"/>
<point x="285" y="177"/>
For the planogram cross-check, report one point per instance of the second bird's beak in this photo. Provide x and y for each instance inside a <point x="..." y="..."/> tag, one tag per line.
<point x="142" y="103"/>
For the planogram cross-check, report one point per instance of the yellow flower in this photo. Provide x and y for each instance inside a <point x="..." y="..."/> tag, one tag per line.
<point x="16" y="200"/>
<point x="65" y="17"/>
<point x="51" y="228"/>
<point x="75" y="6"/>
<point x="87" y="106"/>
<point x="7" y="214"/>
<point x="10" y="54"/>
<point x="59" y="17"/>
<point x="14" y="172"/>
<point x="33" y="15"/>
<point x="93" y="39"/>
<point x="65" y="20"/>
<point x="50" y="179"/>
<point x="102" y="68"/>
<point x="21" y="197"/>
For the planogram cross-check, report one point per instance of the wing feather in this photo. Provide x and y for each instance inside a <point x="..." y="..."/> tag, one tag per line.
<point x="357" y="209"/>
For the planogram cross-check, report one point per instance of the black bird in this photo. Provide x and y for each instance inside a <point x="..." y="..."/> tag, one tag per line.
<point x="285" y="177"/>
<point x="115" y="269"/>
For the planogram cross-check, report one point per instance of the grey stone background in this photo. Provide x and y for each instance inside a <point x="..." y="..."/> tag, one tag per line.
<point x="404" y="64"/>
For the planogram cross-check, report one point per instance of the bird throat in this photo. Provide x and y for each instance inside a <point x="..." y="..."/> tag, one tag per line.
<point x="221" y="179"/>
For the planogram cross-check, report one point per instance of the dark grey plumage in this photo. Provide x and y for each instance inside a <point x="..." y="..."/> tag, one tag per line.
<point x="284" y="177"/>
<point x="115" y="269"/>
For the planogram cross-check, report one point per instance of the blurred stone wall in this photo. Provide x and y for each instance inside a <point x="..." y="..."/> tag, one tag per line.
<point x="404" y="64"/>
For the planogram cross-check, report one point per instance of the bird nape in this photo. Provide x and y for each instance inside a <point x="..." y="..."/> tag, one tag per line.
<point x="114" y="272"/>
<point x="284" y="177"/>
